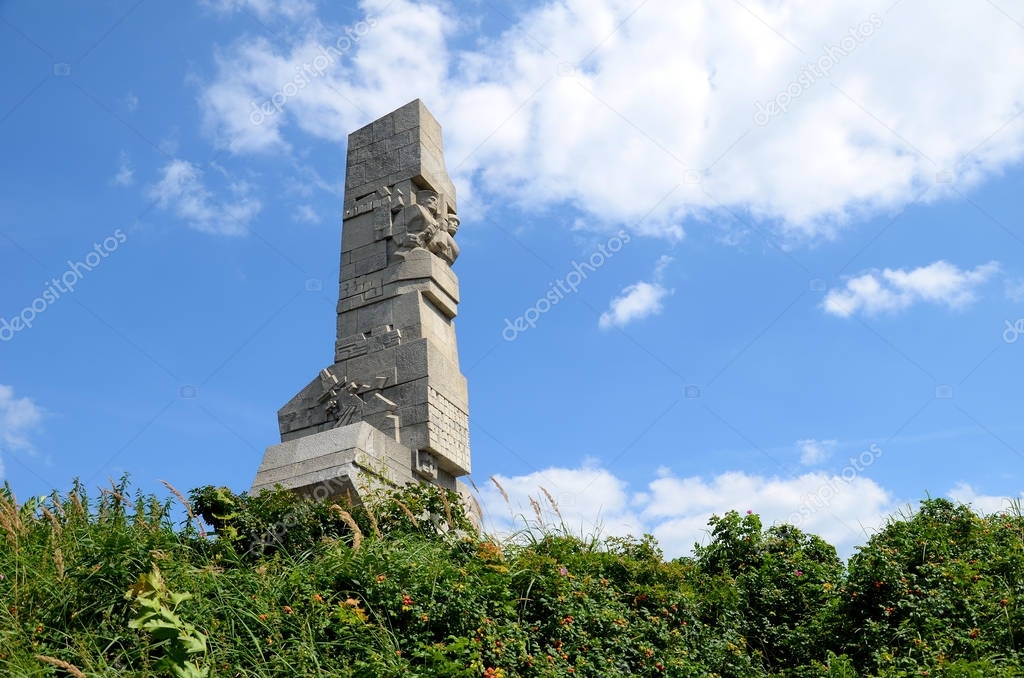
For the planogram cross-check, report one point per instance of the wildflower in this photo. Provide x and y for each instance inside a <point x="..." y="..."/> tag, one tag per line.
<point x="318" y="598"/>
<point x="562" y="571"/>
<point x="423" y="618"/>
<point x="381" y="577"/>
<point x="287" y="610"/>
<point x="974" y="633"/>
<point x="406" y="600"/>
<point x="263" y="617"/>
<point x="567" y="620"/>
<point x="749" y="512"/>
<point x="799" y="573"/>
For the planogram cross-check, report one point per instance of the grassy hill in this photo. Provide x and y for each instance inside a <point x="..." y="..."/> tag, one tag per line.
<point x="111" y="586"/>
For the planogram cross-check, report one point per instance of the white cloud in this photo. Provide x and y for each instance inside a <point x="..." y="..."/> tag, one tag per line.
<point x="596" y="140"/>
<point x="264" y="9"/>
<point x="981" y="503"/>
<point x="815" y="451"/>
<point x="676" y="510"/>
<point x="131" y="101"/>
<point x="639" y="300"/>
<point x="126" y="173"/>
<point x="636" y="302"/>
<point x="182" y="190"/>
<point x="894" y="290"/>
<point x="1015" y="290"/>
<point x="305" y="213"/>
<point x="19" y="418"/>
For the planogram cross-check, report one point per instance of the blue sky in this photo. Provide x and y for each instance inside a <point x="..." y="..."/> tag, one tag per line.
<point x="815" y="274"/>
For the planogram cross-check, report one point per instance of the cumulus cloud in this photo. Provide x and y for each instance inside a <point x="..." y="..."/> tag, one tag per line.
<point x="131" y="101"/>
<point x="637" y="301"/>
<point x="182" y="190"/>
<point x="264" y="9"/>
<point x="815" y="451"/>
<point x="1015" y="290"/>
<point x="306" y="214"/>
<point x="982" y="503"/>
<point x="126" y="173"/>
<point x="19" y="418"/>
<point x="676" y="510"/>
<point x="894" y="290"/>
<point x="867" y="139"/>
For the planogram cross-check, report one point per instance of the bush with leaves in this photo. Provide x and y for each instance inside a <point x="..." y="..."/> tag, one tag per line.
<point x="403" y="586"/>
<point x="936" y="588"/>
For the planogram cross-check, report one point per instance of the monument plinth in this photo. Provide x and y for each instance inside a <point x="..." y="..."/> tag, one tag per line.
<point x="394" y="405"/>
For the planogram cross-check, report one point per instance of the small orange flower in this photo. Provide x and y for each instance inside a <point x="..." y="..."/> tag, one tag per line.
<point x="318" y="598"/>
<point x="406" y="600"/>
<point x="263" y="617"/>
<point x="381" y="577"/>
<point x="287" y="610"/>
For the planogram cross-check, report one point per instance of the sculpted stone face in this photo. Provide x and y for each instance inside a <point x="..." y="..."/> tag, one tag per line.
<point x="430" y="200"/>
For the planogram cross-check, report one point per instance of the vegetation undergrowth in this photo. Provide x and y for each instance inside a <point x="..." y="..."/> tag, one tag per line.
<point x="405" y="586"/>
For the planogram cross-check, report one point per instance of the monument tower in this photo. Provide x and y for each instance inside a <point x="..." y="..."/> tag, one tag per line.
<point x="394" y="405"/>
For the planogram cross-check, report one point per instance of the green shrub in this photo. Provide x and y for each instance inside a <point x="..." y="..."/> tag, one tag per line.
<point x="403" y="586"/>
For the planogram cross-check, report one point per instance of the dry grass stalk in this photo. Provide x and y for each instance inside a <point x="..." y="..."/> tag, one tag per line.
<point x="53" y="521"/>
<point x="53" y="661"/>
<point x="500" y="488"/>
<point x="188" y="507"/>
<point x="10" y="520"/>
<point x="76" y="502"/>
<point x="405" y="508"/>
<point x="8" y="528"/>
<point x="117" y="495"/>
<point x="536" y="509"/>
<point x="373" y="520"/>
<point x="58" y="561"/>
<point x="447" y="508"/>
<point x="357" y="534"/>
<point x="554" y="504"/>
<point x="57" y="505"/>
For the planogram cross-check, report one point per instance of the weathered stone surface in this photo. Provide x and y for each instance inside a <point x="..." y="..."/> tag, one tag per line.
<point x="395" y="397"/>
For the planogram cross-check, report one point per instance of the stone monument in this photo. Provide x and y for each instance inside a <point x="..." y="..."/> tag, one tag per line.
<point x="393" y="407"/>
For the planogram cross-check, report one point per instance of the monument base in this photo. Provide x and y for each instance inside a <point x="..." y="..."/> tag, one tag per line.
<point x="347" y="462"/>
